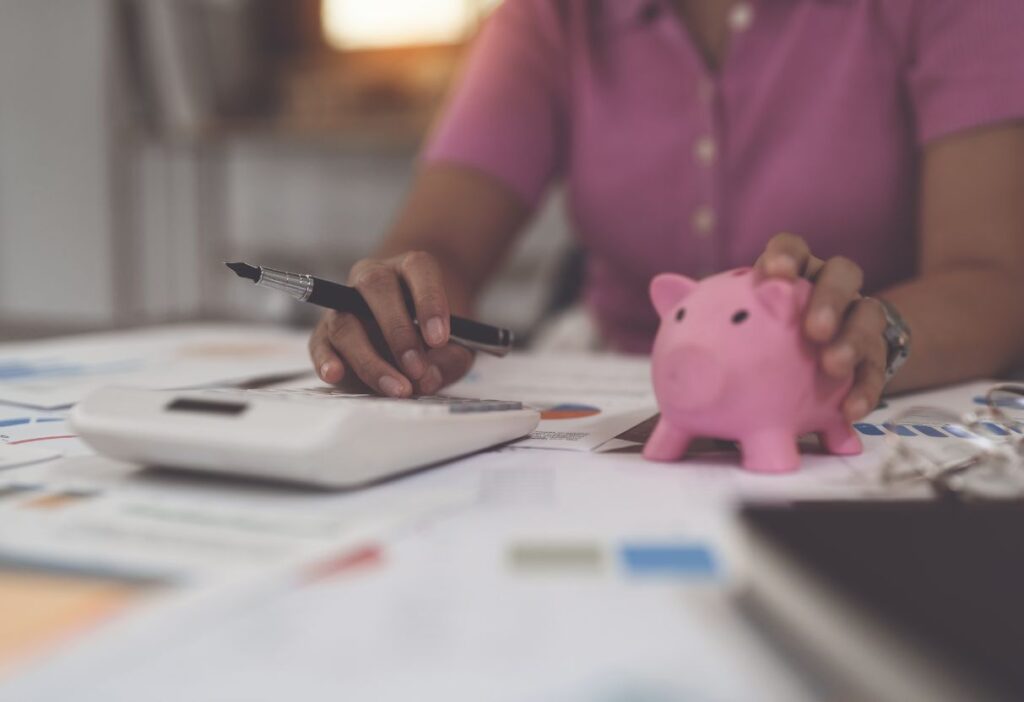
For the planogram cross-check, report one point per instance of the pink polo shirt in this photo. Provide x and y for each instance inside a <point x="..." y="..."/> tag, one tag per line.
<point x="814" y="125"/>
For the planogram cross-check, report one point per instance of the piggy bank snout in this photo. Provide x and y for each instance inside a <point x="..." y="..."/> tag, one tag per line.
<point x="689" y="376"/>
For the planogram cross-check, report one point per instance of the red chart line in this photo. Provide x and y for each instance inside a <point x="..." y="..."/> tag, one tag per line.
<point x="42" y="438"/>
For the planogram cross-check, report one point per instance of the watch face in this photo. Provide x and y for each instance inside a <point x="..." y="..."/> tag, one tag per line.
<point x="897" y="336"/>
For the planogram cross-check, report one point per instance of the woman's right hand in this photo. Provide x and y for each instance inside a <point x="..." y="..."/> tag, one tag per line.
<point x="399" y="358"/>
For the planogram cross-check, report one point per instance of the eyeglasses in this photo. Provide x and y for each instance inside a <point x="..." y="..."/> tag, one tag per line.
<point x="978" y="455"/>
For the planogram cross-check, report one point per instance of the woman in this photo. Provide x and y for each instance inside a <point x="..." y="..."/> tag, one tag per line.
<point x="887" y="133"/>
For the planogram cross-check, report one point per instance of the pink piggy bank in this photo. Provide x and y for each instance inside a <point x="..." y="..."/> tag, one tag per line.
<point x="730" y="361"/>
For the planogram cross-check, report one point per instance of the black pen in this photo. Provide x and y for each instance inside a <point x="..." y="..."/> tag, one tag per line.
<point x="465" y="332"/>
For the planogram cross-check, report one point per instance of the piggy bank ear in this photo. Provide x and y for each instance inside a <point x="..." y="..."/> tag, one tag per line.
<point x="779" y="297"/>
<point x="668" y="289"/>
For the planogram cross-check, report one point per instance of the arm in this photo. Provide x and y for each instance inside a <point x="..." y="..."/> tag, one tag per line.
<point x="964" y="306"/>
<point x="452" y="232"/>
<point x="503" y="127"/>
<point x="465" y="219"/>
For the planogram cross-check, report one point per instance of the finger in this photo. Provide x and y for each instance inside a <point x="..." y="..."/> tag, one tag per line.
<point x="866" y="391"/>
<point x="422" y="274"/>
<point x="326" y="360"/>
<point x="452" y="361"/>
<point x="838" y="285"/>
<point x="379" y="286"/>
<point x="447" y="364"/>
<point x="350" y="338"/>
<point x="785" y="256"/>
<point x="860" y="341"/>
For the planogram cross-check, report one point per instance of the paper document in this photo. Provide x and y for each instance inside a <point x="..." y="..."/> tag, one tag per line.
<point x="60" y="372"/>
<point x="29" y="436"/>
<point x="584" y="399"/>
<point x="87" y="541"/>
<point x="14" y="456"/>
<point x="453" y="617"/>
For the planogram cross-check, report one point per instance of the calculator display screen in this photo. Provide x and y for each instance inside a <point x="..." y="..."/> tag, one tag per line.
<point x="183" y="404"/>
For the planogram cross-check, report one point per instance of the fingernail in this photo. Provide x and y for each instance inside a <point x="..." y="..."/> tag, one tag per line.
<point x="844" y="355"/>
<point x="431" y="381"/>
<point x="390" y="386"/>
<point x="413" y="363"/>
<point x="435" y="331"/>
<point x="782" y="263"/>
<point x="823" y="320"/>
<point x="324" y="370"/>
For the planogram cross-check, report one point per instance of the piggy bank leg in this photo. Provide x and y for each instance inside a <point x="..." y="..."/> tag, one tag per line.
<point x="770" y="452"/>
<point x="667" y="443"/>
<point x="841" y="440"/>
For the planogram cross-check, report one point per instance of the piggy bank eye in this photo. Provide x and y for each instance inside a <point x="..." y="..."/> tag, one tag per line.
<point x="680" y="314"/>
<point x="740" y="317"/>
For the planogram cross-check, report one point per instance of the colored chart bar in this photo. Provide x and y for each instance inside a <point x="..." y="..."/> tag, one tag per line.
<point x="1005" y="402"/>
<point x="901" y="429"/>
<point x="995" y="429"/>
<point x="14" y="422"/>
<point x="869" y="429"/>
<point x="668" y="560"/>
<point x="556" y="557"/>
<point x="958" y="431"/>
<point x="20" y="371"/>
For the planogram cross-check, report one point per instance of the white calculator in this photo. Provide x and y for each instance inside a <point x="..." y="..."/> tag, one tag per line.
<point x="319" y="436"/>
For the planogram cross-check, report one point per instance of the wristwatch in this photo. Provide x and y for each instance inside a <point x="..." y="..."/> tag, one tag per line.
<point x="897" y="338"/>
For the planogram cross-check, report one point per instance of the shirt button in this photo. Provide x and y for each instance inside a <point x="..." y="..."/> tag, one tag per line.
<point x="705" y="150"/>
<point x="704" y="221"/>
<point x="741" y="17"/>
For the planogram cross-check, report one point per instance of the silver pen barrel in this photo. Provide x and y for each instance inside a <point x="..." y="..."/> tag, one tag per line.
<point x="298" y="285"/>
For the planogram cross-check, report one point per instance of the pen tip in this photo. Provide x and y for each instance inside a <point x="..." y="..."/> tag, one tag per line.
<point x="244" y="270"/>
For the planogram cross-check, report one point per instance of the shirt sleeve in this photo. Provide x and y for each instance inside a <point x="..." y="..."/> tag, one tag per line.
<point x="967" y="64"/>
<point x="506" y="114"/>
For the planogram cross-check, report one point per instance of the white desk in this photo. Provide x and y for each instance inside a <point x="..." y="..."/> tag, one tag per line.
<point x="497" y="577"/>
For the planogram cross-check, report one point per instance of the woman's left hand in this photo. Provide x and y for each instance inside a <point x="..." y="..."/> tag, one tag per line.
<point x="848" y="326"/>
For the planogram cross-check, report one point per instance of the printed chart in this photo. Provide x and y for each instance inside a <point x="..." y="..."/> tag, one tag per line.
<point x="932" y="431"/>
<point x="569" y="411"/>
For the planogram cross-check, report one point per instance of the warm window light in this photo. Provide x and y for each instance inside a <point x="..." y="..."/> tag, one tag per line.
<point x="377" y="24"/>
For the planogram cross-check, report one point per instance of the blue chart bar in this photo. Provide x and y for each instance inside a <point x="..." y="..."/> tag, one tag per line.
<point x="902" y="430"/>
<point x="20" y="370"/>
<point x="927" y="430"/>
<point x="673" y="561"/>
<point x="1005" y="402"/>
<point x="995" y="429"/>
<point x="869" y="429"/>
<point x="14" y="422"/>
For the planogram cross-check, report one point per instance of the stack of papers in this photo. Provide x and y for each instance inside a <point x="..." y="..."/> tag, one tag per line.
<point x="60" y="372"/>
<point x="585" y="400"/>
<point x="585" y="573"/>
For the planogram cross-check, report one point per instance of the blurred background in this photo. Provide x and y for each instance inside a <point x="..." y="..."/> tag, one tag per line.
<point x="144" y="142"/>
